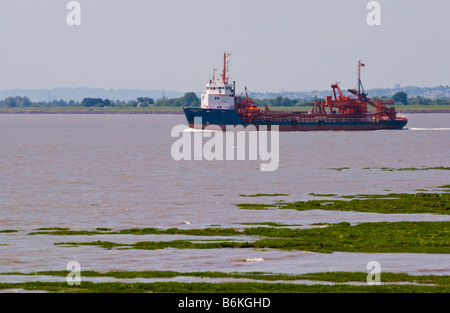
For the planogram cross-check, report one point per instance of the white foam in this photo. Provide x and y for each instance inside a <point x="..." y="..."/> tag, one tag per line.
<point x="433" y="128"/>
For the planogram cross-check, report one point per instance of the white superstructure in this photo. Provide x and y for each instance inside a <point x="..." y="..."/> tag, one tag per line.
<point x="219" y="94"/>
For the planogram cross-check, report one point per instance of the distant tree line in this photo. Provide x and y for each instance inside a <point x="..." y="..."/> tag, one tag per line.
<point x="95" y="102"/>
<point x="23" y="102"/>
<point x="190" y="99"/>
<point x="280" y="101"/>
<point x="401" y="98"/>
<point x="16" y="101"/>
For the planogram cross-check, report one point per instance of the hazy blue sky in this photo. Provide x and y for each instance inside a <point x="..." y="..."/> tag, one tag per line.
<point x="174" y="44"/>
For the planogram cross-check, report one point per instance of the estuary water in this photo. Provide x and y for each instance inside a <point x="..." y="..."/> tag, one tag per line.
<point x="88" y="171"/>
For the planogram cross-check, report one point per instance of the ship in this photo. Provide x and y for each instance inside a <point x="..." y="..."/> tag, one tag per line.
<point x="219" y="106"/>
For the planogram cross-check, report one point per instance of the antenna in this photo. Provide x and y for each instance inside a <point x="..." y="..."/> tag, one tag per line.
<point x="225" y="68"/>
<point x="360" y="86"/>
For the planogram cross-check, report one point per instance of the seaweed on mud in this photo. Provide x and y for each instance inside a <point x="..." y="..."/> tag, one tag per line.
<point x="422" y="202"/>
<point x="265" y="195"/>
<point x="380" y="237"/>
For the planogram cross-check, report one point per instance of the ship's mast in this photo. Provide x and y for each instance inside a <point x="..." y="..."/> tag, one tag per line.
<point x="359" y="83"/>
<point x="225" y="68"/>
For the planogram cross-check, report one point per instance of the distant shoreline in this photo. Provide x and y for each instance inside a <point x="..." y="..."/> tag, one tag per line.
<point x="159" y="112"/>
<point x="87" y="112"/>
<point x="423" y="111"/>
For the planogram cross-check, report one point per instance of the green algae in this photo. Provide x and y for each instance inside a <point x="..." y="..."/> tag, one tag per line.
<point x="392" y="169"/>
<point x="435" y="203"/>
<point x="257" y="206"/>
<point x="265" y="195"/>
<point x="264" y="282"/>
<point x="143" y="231"/>
<point x="413" y="237"/>
<point x="335" y="277"/>
<point x="338" y="168"/>
<point x="235" y="287"/>
<point x="273" y="224"/>
<point x="380" y="237"/>
<point x="424" y="168"/>
<point x="323" y="194"/>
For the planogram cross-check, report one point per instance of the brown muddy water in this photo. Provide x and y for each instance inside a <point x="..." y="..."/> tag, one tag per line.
<point x="116" y="171"/>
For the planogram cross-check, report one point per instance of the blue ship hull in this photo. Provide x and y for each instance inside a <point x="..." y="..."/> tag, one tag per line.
<point x="197" y="118"/>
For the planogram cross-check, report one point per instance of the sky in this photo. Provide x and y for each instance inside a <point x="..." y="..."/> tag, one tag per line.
<point x="276" y="45"/>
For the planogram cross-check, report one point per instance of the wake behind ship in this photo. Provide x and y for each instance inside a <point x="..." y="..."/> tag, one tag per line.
<point x="220" y="106"/>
